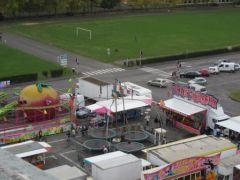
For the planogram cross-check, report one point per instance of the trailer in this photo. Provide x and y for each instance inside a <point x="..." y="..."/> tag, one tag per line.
<point x="99" y="90"/>
<point x="93" y="88"/>
<point x="127" y="167"/>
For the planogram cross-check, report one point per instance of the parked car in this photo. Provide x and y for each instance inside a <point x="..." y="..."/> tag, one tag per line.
<point x="213" y="70"/>
<point x="237" y="67"/>
<point x="84" y="113"/>
<point x="198" y="88"/>
<point x="198" y="80"/>
<point x="158" y="82"/>
<point x="190" y="74"/>
<point x="204" y="72"/>
<point x="221" y="61"/>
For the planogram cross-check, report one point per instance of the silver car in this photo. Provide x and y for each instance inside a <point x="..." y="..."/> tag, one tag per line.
<point x="158" y="82"/>
<point x="198" y="80"/>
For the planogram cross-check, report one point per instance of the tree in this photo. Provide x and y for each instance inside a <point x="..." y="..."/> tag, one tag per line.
<point x="109" y="4"/>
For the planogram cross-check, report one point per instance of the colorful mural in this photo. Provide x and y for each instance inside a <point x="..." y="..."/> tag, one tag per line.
<point x="187" y="165"/>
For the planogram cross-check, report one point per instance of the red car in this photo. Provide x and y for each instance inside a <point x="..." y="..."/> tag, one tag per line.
<point x="204" y="72"/>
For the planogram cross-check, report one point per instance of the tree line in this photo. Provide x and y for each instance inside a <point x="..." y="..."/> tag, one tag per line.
<point x="38" y="7"/>
<point x="15" y="8"/>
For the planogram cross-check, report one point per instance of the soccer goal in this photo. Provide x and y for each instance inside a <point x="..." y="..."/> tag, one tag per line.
<point x="83" y="29"/>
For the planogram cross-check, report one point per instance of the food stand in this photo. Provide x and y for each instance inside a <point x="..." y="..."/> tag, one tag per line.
<point x="31" y="151"/>
<point x="188" y="158"/>
<point x="193" y="111"/>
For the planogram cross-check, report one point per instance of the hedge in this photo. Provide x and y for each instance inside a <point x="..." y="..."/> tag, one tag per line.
<point x="56" y="73"/>
<point x="21" y="78"/>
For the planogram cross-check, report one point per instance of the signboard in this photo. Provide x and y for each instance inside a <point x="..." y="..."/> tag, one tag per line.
<point x="184" y="166"/>
<point x="4" y="84"/>
<point x="198" y="97"/>
<point x="62" y="60"/>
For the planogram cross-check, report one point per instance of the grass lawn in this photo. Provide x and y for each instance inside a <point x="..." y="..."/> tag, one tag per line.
<point x="155" y="34"/>
<point x="15" y="62"/>
<point x="235" y="95"/>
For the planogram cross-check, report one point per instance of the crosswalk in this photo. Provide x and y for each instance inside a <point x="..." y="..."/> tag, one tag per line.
<point x="103" y="71"/>
<point x="156" y="71"/>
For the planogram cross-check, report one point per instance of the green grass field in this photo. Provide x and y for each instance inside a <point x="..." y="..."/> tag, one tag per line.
<point x="235" y="95"/>
<point x="15" y="62"/>
<point x="155" y="34"/>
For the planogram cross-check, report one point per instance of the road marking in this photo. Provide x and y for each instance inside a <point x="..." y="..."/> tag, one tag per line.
<point x="76" y="164"/>
<point x="156" y="71"/>
<point x="60" y="140"/>
<point x="103" y="71"/>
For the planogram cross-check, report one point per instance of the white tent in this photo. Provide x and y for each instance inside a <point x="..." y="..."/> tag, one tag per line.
<point x="182" y="107"/>
<point x="118" y="105"/>
<point x="232" y="124"/>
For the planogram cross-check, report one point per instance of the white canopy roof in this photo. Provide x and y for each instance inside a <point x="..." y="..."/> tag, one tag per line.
<point x="183" y="107"/>
<point x="102" y="157"/>
<point x="28" y="148"/>
<point x="232" y="123"/>
<point x="128" y="103"/>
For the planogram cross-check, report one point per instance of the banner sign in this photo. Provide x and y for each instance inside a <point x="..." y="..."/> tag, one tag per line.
<point x="63" y="59"/>
<point x="184" y="166"/>
<point x="4" y="84"/>
<point x="198" y="97"/>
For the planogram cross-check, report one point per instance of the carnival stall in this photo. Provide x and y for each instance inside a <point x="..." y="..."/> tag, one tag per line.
<point x="193" y="111"/>
<point x="31" y="151"/>
<point x="194" y="158"/>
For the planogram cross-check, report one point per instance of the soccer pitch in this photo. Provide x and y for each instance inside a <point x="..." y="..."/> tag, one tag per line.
<point x="155" y="34"/>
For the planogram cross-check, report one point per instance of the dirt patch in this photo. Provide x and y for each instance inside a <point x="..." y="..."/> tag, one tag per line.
<point x="30" y="23"/>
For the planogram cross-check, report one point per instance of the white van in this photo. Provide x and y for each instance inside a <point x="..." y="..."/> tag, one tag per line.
<point x="227" y="66"/>
<point x="198" y="88"/>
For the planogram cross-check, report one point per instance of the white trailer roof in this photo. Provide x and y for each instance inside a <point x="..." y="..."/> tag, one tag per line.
<point x="102" y="157"/>
<point x="226" y="165"/>
<point x="27" y="148"/>
<point x="136" y="87"/>
<point x="66" y="172"/>
<point x="195" y="146"/>
<point x="180" y="106"/>
<point x="117" y="161"/>
<point x="232" y="124"/>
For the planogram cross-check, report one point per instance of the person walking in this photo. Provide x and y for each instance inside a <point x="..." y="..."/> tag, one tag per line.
<point x="68" y="135"/>
<point x="73" y="132"/>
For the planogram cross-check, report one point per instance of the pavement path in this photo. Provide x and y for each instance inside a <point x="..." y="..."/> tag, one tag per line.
<point x="49" y="52"/>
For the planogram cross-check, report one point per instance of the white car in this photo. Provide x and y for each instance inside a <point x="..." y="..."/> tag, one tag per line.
<point x="159" y="82"/>
<point x="213" y="70"/>
<point x="198" y="80"/>
<point x="237" y="66"/>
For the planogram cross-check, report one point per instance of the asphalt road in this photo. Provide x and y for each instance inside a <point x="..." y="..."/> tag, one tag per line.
<point x="49" y="52"/>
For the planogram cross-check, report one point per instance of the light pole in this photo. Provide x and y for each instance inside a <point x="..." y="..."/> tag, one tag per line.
<point x="77" y="62"/>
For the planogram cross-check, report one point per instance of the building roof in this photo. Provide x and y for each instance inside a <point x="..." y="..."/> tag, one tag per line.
<point x="232" y="124"/>
<point x="183" y="107"/>
<point x="95" y="81"/>
<point x="117" y="161"/>
<point x="66" y="172"/>
<point x="14" y="168"/>
<point x="196" y="146"/>
<point x="102" y="157"/>
<point x="27" y="148"/>
<point x="226" y="165"/>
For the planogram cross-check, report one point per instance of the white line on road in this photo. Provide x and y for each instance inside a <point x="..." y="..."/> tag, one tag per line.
<point x="77" y="165"/>
<point x="60" y="140"/>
